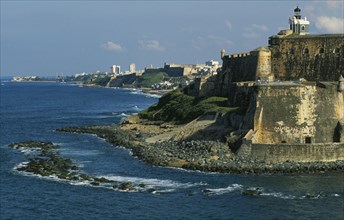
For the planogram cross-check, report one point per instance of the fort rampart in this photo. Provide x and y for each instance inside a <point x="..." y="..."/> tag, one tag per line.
<point x="280" y="152"/>
<point x="312" y="57"/>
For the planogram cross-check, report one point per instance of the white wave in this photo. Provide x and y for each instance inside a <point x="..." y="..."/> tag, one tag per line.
<point x="278" y="195"/>
<point x="71" y="84"/>
<point x="80" y="152"/>
<point x="30" y="174"/>
<point x="152" y="95"/>
<point x="20" y="165"/>
<point x="153" y="183"/>
<point x="102" y="116"/>
<point x="312" y="196"/>
<point x="27" y="151"/>
<point x="81" y="183"/>
<point x="220" y="191"/>
<point x="136" y="108"/>
<point x="139" y="92"/>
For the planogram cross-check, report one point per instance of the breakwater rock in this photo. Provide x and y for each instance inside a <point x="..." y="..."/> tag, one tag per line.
<point x="44" y="160"/>
<point x="208" y="156"/>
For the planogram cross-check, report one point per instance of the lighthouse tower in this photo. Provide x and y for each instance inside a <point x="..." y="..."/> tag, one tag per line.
<point x="297" y="24"/>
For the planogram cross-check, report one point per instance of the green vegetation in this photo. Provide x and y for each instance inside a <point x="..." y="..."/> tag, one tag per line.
<point x="148" y="79"/>
<point x="181" y="108"/>
<point x="101" y="81"/>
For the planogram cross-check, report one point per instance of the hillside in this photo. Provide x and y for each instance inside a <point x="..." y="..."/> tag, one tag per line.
<point x="181" y="108"/>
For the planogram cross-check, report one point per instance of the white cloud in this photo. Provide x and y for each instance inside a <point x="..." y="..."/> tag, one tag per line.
<point x="261" y="27"/>
<point x="200" y="43"/>
<point x="112" y="46"/>
<point x="250" y="35"/>
<point x="228" y="25"/>
<point x="320" y="12"/>
<point x="150" y="45"/>
<point x="254" y="31"/>
<point x="220" y="41"/>
<point x="330" y="24"/>
<point x="334" y="3"/>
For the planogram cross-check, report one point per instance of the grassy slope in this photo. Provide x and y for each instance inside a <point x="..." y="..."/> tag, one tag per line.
<point x="149" y="79"/>
<point x="178" y="107"/>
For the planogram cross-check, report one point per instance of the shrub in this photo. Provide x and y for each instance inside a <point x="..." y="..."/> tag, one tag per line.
<point x="149" y="79"/>
<point x="178" y="107"/>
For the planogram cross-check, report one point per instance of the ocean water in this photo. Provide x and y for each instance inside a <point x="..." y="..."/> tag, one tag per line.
<point x="31" y="111"/>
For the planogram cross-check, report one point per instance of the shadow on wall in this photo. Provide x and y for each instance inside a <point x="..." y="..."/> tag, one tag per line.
<point x="338" y="132"/>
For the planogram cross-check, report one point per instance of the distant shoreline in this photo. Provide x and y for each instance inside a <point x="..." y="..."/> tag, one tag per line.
<point x="144" y="90"/>
<point x="44" y="81"/>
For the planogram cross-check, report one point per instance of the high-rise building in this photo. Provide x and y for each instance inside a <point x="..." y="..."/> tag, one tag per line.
<point x="132" y="68"/>
<point x="116" y="69"/>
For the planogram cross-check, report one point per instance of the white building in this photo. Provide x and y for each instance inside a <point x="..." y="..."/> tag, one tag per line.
<point x="132" y="68"/>
<point x="116" y="69"/>
<point x="212" y="63"/>
<point x="297" y="24"/>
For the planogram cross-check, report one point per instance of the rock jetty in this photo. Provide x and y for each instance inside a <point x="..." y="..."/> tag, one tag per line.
<point x="44" y="160"/>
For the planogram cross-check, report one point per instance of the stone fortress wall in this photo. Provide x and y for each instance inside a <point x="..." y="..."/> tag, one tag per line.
<point x="249" y="66"/>
<point x="291" y="120"/>
<point x="298" y="114"/>
<point x="312" y="57"/>
<point x="177" y="70"/>
<point x="293" y="91"/>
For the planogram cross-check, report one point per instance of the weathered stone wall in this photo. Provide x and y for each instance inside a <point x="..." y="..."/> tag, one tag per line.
<point x="174" y="71"/>
<point x="294" y="114"/>
<point x="236" y="68"/>
<point x="252" y="66"/>
<point x="177" y="70"/>
<point x="154" y="70"/>
<point x="263" y="70"/>
<point x="242" y="67"/>
<point x="312" y="57"/>
<point x="278" y="153"/>
<point x="207" y="86"/>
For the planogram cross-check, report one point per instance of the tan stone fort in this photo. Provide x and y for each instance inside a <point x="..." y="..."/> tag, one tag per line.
<point x="292" y="91"/>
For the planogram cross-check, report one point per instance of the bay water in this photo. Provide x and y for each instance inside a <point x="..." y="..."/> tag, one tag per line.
<point x="32" y="111"/>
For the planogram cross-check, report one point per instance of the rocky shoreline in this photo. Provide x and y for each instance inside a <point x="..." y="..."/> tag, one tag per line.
<point x="45" y="161"/>
<point x="201" y="155"/>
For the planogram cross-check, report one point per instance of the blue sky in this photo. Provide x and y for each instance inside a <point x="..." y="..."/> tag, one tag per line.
<point x="46" y="38"/>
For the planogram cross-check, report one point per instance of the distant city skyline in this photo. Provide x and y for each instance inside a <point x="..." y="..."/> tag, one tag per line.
<point x="46" y="38"/>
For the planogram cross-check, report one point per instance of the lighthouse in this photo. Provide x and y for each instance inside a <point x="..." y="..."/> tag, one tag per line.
<point x="298" y="24"/>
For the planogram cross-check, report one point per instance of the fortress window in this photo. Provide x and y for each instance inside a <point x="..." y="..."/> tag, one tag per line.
<point x="308" y="140"/>
<point x="306" y="51"/>
<point x="321" y="50"/>
<point x="336" y="50"/>
<point x="303" y="28"/>
<point x="291" y="51"/>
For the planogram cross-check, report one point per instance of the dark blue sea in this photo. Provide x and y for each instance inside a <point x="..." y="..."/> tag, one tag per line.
<point x="32" y="111"/>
